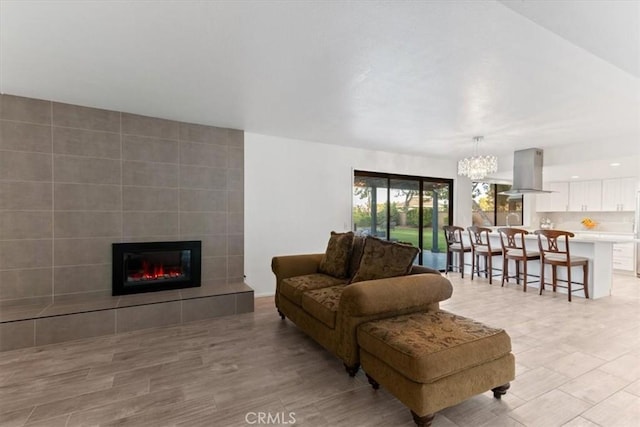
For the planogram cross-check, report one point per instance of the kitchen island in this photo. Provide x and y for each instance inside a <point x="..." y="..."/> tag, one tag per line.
<point x="597" y="247"/>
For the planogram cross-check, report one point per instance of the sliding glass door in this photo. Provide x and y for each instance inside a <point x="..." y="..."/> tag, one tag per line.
<point x="407" y="209"/>
<point x="369" y="206"/>
<point x="436" y="212"/>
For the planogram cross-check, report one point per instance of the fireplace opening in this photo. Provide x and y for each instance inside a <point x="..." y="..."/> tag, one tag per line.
<point x="155" y="266"/>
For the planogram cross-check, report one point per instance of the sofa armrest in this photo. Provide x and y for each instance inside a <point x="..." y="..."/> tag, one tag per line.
<point x="420" y="269"/>
<point x="397" y="293"/>
<point x="379" y="299"/>
<point x="286" y="266"/>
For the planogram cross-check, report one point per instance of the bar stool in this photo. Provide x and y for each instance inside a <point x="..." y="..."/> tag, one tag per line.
<point x="554" y="248"/>
<point x="453" y="237"/>
<point x="481" y="247"/>
<point x="513" y="248"/>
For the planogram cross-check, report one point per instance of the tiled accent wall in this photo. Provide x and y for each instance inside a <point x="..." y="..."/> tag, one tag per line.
<point x="74" y="179"/>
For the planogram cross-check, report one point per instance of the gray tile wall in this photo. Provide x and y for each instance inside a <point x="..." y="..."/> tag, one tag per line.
<point x="74" y="179"/>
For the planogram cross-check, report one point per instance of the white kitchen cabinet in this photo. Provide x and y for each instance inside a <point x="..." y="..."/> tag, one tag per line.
<point x="557" y="201"/>
<point x="623" y="258"/>
<point x="585" y="196"/>
<point x="618" y="194"/>
<point x="543" y="202"/>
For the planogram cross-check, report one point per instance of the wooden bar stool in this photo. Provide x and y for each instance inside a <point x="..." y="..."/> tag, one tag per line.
<point x="513" y="248"/>
<point x="481" y="247"/>
<point x="554" y="248"/>
<point x="453" y="237"/>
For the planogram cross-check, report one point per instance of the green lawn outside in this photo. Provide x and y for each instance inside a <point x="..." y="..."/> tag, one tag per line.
<point x="410" y="235"/>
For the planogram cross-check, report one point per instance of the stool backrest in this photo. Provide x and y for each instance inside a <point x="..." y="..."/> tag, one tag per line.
<point x="513" y="239"/>
<point x="453" y="235"/>
<point x="554" y="242"/>
<point x="479" y="236"/>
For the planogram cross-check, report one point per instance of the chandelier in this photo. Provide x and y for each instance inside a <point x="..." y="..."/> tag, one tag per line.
<point x="477" y="167"/>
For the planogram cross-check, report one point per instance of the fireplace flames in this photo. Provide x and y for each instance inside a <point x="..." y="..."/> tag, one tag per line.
<point x="155" y="272"/>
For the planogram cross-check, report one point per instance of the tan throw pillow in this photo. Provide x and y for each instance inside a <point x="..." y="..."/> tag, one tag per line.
<point x="335" y="261"/>
<point x="382" y="259"/>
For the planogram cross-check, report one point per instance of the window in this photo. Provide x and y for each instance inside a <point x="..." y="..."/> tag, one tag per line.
<point x="406" y="209"/>
<point x="493" y="209"/>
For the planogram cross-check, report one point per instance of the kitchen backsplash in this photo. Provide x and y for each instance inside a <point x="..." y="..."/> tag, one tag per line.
<point x="614" y="222"/>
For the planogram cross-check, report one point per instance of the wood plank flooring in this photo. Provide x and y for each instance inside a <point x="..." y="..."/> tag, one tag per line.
<point x="578" y="364"/>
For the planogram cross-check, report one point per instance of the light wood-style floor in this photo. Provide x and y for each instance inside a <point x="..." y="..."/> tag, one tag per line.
<point x="578" y="364"/>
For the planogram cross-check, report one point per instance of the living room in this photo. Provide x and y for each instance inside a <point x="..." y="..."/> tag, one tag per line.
<point x="297" y="158"/>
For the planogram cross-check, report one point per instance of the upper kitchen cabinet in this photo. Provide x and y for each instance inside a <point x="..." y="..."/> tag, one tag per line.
<point x="557" y="201"/>
<point x="585" y="196"/>
<point x="619" y="194"/>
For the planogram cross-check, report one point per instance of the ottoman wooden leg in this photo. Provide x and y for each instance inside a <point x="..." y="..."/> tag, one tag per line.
<point x="373" y="382"/>
<point x="281" y="314"/>
<point x="500" y="390"/>
<point x="424" y="421"/>
<point x="352" y="370"/>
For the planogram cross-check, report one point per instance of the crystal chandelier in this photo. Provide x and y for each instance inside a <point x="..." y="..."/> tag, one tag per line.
<point x="477" y="167"/>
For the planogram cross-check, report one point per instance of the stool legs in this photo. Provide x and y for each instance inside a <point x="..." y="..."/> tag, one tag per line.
<point x="426" y="420"/>
<point x="569" y="282"/>
<point x="554" y="279"/>
<point x="448" y="267"/>
<point x="373" y="382"/>
<point x="488" y="267"/>
<point x="474" y="261"/>
<point x="505" y="269"/>
<point x="500" y="391"/>
<point x="585" y="280"/>
<point x="505" y="273"/>
<point x="423" y="421"/>
<point x="352" y="370"/>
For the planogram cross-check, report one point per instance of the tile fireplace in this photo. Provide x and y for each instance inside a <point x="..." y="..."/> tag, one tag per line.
<point x="155" y="266"/>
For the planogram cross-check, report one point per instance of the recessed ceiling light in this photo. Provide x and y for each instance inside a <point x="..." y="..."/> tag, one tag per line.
<point x="614" y="164"/>
<point x="574" y="176"/>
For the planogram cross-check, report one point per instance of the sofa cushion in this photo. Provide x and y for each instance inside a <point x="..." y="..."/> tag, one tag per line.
<point x="427" y="346"/>
<point x="294" y="287"/>
<point x="323" y="304"/>
<point x="382" y="259"/>
<point x="335" y="261"/>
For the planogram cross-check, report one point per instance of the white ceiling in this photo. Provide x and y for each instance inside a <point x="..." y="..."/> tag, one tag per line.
<point x="419" y="77"/>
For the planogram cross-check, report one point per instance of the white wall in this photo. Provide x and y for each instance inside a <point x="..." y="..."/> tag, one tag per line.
<point x="297" y="192"/>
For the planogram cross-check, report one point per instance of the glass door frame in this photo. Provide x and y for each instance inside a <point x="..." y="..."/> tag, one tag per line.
<point x="421" y="183"/>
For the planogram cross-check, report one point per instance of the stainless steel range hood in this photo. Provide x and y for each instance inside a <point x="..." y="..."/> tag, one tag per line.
<point x="527" y="173"/>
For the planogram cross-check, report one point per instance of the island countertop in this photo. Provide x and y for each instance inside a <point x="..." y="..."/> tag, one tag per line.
<point x="585" y="235"/>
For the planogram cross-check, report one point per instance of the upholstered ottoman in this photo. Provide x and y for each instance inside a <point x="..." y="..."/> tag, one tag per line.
<point x="430" y="361"/>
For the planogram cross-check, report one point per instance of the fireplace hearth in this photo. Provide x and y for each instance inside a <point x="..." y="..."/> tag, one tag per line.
<point x="155" y="266"/>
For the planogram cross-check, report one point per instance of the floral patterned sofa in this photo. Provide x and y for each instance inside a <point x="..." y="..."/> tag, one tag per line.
<point x="357" y="280"/>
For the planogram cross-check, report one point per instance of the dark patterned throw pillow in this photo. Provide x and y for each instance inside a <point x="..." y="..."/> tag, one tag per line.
<point x="382" y="259"/>
<point x="335" y="261"/>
